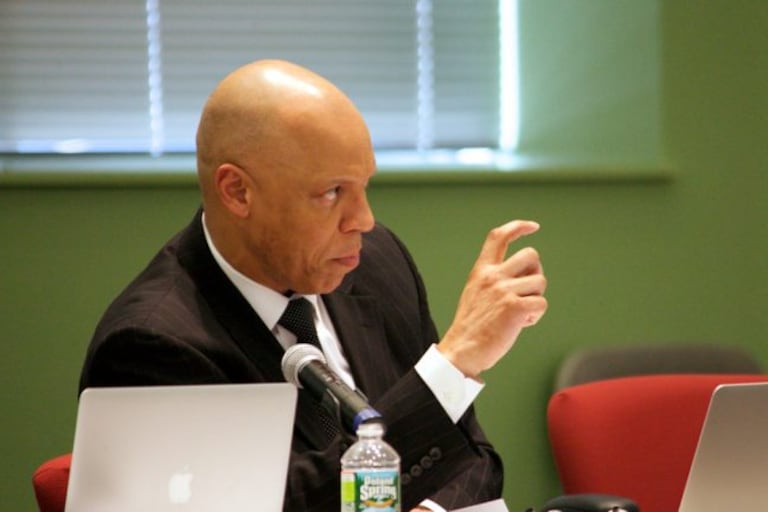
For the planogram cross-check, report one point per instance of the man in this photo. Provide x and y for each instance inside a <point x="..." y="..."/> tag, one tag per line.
<point x="284" y="159"/>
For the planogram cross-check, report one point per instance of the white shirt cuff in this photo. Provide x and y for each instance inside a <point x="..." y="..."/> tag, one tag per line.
<point x="453" y="390"/>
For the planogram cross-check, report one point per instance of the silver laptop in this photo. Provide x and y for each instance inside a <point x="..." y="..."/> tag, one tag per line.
<point x="730" y="467"/>
<point x="182" y="448"/>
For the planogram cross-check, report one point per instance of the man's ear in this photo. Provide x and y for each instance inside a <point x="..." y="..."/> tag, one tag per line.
<point x="233" y="185"/>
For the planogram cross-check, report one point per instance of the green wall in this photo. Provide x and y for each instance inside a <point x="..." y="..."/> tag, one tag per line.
<point x="627" y="260"/>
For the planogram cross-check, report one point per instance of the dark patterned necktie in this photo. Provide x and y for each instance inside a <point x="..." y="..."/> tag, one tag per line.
<point x="298" y="318"/>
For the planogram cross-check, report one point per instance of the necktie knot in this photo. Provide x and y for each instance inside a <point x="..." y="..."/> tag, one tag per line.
<point x="298" y="318"/>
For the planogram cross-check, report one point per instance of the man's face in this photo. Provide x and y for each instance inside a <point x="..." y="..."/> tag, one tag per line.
<point x="310" y="210"/>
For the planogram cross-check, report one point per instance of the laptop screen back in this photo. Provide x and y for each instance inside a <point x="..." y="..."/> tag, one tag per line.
<point x="182" y="448"/>
<point x="729" y="468"/>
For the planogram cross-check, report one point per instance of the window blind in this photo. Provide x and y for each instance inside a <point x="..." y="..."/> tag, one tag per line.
<point x="72" y="76"/>
<point x="131" y="76"/>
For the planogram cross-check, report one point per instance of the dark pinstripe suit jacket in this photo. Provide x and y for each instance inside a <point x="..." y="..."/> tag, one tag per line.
<point x="181" y="321"/>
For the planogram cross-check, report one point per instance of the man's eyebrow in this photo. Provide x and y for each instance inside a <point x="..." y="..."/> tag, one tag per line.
<point x="347" y="179"/>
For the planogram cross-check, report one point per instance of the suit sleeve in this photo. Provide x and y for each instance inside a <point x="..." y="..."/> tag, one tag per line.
<point x="135" y="357"/>
<point x="454" y="465"/>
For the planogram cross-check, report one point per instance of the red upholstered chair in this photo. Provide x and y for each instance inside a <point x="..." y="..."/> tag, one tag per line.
<point x="50" y="483"/>
<point x="632" y="436"/>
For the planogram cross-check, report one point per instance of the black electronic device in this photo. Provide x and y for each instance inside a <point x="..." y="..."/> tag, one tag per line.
<point x="590" y="503"/>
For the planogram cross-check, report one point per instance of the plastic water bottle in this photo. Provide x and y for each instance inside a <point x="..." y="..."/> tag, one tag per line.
<point x="370" y="473"/>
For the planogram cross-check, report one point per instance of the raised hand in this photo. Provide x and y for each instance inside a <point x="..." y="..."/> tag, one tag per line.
<point x="501" y="297"/>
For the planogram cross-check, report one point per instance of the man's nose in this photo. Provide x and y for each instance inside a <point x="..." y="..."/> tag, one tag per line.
<point x="359" y="215"/>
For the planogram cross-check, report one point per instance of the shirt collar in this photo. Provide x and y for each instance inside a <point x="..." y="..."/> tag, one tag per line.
<point x="268" y="303"/>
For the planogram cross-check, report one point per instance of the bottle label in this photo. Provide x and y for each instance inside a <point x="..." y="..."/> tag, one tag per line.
<point x="370" y="491"/>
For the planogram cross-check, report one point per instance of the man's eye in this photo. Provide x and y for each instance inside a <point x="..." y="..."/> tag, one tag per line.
<point x="332" y="194"/>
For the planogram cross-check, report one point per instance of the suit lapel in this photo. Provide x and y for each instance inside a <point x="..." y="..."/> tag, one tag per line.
<point x="356" y="318"/>
<point x="358" y="323"/>
<point x="243" y="324"/>
<point x="228" y="305"/>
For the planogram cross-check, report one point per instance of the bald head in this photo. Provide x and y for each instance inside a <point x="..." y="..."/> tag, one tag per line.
<point x="284" y="159"/>
<point x="261" y="108"/>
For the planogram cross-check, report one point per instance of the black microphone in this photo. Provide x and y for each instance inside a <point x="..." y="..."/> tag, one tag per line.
<point x="304" y="366"/>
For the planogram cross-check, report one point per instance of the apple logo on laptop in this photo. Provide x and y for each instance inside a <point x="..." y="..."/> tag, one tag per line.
<point x="180" y="486"/>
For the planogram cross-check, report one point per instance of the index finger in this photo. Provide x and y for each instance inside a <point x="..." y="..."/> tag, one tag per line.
<point x="497" y="242"/>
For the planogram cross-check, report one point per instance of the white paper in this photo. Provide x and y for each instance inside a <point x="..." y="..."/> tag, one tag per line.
<point x="488" y="506"/>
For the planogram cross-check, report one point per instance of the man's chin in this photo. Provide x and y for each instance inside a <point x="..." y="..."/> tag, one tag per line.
<point x="320" y="287"/>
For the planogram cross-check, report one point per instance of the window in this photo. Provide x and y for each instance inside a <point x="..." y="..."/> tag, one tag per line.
<point x="502" y="84"/>
<point x="117" y="76"/>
